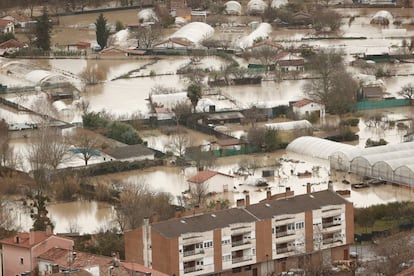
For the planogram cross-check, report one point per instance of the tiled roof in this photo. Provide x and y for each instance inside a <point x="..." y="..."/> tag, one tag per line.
<point x="24" y="239"/>
<point x="80" y="260"/>
<point x="302" y="103"/>
<point x="4" y="23"/>
<point x="134" y="267"/>
<point x="11" y="43"/>
<point x="130" y="151"/>
<point x="260" y="211"/>
<point x="203" y="176"/>
<point x="295" y="205"/>
<point x="201" y="223"/>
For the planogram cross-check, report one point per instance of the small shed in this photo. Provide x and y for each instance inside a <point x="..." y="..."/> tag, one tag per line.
<point x="224" y="117"/>
<point x="306" y="107"/>
<point x="371" y="92"/>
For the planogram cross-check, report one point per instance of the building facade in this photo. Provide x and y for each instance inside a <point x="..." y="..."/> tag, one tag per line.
<point x="20" y="252"/>
<point x="306" y="231"/>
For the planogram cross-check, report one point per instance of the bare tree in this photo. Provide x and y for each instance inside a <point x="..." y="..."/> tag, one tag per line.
<point x="137" y="201"/>
<point x="249" y="165"/>
<point x="256" y="137"/>
<point x="393" y="252"/>
<point x="146" y="36"/>
<point x="333" y="86"/>
<point x="92" y="74"/>
<point x="179" y="142"/>
<point x="266" y="55"/>
<point x="7" y="157"/>
<point x="85" y="145"/>
<point x="407" y="91"/>
<point x="202" y="159"/>
<point x="6" y="219"/>
<point x="181" y="109"/>
<point x="198" y="195"/>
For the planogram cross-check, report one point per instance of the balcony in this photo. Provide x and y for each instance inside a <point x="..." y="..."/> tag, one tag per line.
<point x="330" y="224"/>
<point x="280" y="234"/>
<point x="331" y="240"/>
<point x="240" y="242"/>
<point x="282" y="250"/>
<point x="192" y="269"/>
<point x="241" y="259"/>
<point x="193" y="252"/>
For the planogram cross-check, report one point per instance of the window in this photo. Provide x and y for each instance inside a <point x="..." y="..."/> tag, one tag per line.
<point x="300" y="225"/>
<point x="226" y="241"/>
<point x="21" y="260"/>
<point x="200" y="262"/>
<point x="273" y="230"/>
<point x="226" y="258"/>
<point x="291" y="226"/>
<point x="208" y="244"/>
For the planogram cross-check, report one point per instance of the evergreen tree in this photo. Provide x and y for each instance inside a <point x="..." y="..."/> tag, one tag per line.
<point x="43" y="30"/>
<point x="194" y="93"/>
<point x="102" y="32"/>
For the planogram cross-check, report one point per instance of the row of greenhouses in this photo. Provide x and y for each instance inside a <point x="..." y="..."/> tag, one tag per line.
<point x="392" y="163"/>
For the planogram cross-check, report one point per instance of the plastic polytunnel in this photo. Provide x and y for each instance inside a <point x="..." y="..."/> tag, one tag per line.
<point x="284" y="126"/>
<point x="256" y="7"/>
<point x="278" y="3"/>
<point x="195" y="32"/>
<point x="404" y="175"/>
<point x="147" y="15"/>
<point x="363" y="164"/>
<point x="233" y="7"/>
<point x="261" y="32"/>
<point x="316" y="147"/>
<point x="382" y="17"/>
<point x="386" y="169"/>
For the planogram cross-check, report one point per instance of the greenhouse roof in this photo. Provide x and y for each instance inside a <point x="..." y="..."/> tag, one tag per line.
<point x="233" y="7"/>
<point x="256" y="6"/>
<point x="289" y="125"/>
<point x="399" y="162"/>
<point x="262" y="31"/>
<point x="37" y="76"/>
<point x="383" y="14"/>
<point x="386" y="156"/>
<point x="278" y="3"/>
<point x="317" y="147"/>
<point x="147" y="15"/>
<point x="195" y="32"/>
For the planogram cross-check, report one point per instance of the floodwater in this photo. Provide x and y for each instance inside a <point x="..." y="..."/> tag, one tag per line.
<point x="125" y="96"/>
<point x="76" y="217"/>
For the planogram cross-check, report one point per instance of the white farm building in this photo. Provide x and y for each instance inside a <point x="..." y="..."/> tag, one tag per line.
<point x="392" y="163"/>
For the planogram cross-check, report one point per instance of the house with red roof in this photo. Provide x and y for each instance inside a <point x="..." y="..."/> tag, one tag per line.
<point x="307" y="107"/>
<point x="57" y="260"/>
<point x="213" y="181"/>
<point x="6" y="26"/>
<point x="289" y="62"/>
<point x="20" y="252"/>
<point x="10" y="46"/>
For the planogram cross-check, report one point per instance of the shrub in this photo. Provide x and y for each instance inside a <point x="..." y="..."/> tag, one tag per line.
<point x="373" y="143"/>
<point x="95" y="120"/>
<point x="124" y="133"/>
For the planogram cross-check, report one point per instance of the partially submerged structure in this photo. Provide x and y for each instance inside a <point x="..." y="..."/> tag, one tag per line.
<point x="233" y="8"/>
<point x="382" y="17"/>
<point x="260" y="33"/>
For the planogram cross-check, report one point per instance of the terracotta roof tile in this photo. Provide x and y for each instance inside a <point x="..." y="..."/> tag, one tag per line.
<point x="11" y="43"/>
<point x="203" y="176"/>
<point x="23" y="239"/>
<point x="302" y="103"/>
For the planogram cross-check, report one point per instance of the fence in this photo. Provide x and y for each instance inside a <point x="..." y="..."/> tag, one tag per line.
<point x="365" y="105"/>
<point x="232" y="152"/>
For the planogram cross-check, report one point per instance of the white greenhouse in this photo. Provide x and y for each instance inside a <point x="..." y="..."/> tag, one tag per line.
<point x="382" y="17"/>
<point x="233" y="8"/>
<point x="256" y="7"/>
<point x="147" y="15"/>
<point x="195" y="32"/>
<point x="286" y="126"/>
<point x="392" y="163"/>
<point x="261" y="32"/>
<point x="317" y="147"/>
<point x="278" y="3"/>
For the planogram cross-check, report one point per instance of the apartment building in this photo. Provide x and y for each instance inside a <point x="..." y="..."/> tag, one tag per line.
<point x="309" y="230"/>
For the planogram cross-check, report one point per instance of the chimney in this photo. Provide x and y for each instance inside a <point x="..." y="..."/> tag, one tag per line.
<point x="247" y="200"/>
<point x="32" y="236"/>
<point x="268" y="194"/>
<point x="308" y="188"/>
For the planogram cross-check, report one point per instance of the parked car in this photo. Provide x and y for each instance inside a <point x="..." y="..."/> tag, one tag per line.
<point x="377" y="182"/>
